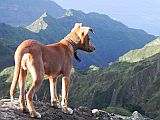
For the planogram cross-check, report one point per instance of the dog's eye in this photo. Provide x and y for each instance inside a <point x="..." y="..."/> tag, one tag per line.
<point x="82" y="33"/>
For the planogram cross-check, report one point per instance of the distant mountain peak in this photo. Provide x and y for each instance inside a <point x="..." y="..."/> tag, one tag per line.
<point x="45" y="14"/>
<point x="69" y="13"/>
<point x="39" y="24"/>
<point x="75" y="13"/>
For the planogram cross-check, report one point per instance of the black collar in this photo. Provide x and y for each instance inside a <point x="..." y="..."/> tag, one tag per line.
<point x="74" y="45"/>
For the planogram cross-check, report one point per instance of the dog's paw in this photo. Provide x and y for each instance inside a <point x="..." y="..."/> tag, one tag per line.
<point x="34" y="114"/>
<point x="23" y="109"/>
<point x="67" y="110"/>
<point x="56" y="104"/>
<point x="70" y="111"/>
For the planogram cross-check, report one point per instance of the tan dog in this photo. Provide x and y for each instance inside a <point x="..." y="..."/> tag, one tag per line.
<point x="51" y="60"/>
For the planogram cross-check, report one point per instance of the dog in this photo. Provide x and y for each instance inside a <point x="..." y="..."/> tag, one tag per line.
<point x="48" y="60"/>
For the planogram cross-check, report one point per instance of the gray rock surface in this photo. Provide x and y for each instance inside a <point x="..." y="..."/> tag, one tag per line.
<point x="10" y="111"/>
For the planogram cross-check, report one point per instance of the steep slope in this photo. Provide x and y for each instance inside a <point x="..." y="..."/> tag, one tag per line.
<point x="112" y="39"/>
<point x="148" y="50"/>
<point x="134" y="86"/>
<point x="23" y="12"/>
<point x="10" y="38"/>
<point x="18" y="34"/>
<point x="6" y="53"/>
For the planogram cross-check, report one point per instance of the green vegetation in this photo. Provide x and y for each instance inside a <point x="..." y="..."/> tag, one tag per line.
<point x="148" y="50"/>
<point x="69" y="13"/>
<point x="10" y="38"/>
<point x="6" y="53"/>
<point x="118" y="110"/>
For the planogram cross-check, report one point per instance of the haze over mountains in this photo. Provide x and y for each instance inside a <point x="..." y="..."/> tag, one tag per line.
<point x="141" y="14"/>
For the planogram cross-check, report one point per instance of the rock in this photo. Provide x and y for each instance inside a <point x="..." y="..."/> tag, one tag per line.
<point x="11" y="112"/>
<point x="112" y="114"/>
<point x="104" y="115"/>
<point x="84" y="112"/>
<point x="137" y="116"/>
<point x="95" y="112"/>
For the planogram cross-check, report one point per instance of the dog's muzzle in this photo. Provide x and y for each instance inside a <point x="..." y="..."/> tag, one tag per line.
<point x="91" y="47"/>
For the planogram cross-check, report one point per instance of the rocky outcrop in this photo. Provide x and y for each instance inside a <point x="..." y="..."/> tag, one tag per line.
<point x="10" y="111"/>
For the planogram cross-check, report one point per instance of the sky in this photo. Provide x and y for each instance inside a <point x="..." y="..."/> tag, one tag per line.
<point x="140" y="14"/>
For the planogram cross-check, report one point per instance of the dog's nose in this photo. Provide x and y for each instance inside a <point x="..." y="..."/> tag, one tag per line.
<point x="94" y="48"/>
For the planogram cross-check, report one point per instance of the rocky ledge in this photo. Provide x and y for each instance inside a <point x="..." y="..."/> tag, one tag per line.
<point x="11" y="112"/>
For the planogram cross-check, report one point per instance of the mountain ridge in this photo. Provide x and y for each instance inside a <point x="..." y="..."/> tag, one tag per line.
<point x="22" y="12"/>
<point x="137" y="55"/>
<point x="108" y="33"/>
<point x="10" y="38"/>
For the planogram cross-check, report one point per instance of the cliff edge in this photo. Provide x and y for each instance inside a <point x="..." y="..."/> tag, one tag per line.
<point x="10" y="111"/>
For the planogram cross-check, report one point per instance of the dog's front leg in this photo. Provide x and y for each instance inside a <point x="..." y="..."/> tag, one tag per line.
<point x="65" y="83"/>
<point x="53" y="91"/>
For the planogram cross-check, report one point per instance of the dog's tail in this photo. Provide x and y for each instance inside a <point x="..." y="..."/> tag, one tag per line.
<point x="18" y="58"/>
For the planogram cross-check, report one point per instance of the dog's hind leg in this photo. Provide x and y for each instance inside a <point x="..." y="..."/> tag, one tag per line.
<point x="22" y="78"/>
<point x="53" y="91"/>
<point x="37" y="71"/>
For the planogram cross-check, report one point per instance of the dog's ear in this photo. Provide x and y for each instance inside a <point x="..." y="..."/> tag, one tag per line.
<point x="78" y="25"/>
<point x="91" y="30"/>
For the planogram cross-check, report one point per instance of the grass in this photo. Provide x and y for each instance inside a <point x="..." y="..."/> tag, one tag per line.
<point x="147" y="51"/>
<point x="118" y="110"/>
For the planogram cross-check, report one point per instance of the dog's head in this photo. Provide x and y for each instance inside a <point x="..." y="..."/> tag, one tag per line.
<point x="80" y="35"/>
